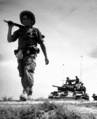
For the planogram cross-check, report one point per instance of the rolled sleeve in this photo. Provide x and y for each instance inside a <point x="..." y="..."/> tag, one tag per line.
<point x="40" y="37"/>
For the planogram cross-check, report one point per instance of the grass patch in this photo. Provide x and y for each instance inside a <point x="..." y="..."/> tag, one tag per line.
<point x="44" y="111"/>
<point x="7" y="98"/>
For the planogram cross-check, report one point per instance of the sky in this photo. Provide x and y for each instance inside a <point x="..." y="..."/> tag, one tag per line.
<point x="69" y="27"/>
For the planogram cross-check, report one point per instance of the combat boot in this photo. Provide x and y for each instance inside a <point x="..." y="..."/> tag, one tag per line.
<point x="23" y="96"/>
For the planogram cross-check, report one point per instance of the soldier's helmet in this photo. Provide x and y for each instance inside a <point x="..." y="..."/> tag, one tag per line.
<point x="28" y="13"/>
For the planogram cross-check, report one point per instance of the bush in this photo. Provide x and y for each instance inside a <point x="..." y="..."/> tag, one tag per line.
<point x="46" y="106"/>
<point x="7" y="98"/>
<point x="8" y="113"/>
<point x="28" y="113"/>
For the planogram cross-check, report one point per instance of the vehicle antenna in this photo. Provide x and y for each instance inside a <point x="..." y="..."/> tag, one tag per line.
<point x="81" y="68"/>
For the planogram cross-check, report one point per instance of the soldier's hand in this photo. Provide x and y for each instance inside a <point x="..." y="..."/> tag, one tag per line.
<point x="10" y="23"/>
<point x="46" y="61"/>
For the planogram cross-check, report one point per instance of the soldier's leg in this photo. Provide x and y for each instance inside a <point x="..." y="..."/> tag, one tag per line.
<point x="21" y="72"/>
<point x="21" y="68"/>
<point x="23" y="96"/>
<point x="28" y="78"/>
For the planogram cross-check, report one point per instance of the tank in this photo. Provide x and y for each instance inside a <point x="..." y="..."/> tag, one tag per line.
<point x="71" y="90"/>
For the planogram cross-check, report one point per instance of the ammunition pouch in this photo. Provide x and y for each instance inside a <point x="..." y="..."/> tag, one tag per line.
<point x="30" y="50"/>
<point x="18" y="54"/>
<point x="33" y="50"/>
<point x="26" y="51"/>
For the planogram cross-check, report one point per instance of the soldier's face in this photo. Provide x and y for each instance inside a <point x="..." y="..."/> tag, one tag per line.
<point x="26" y="20"/>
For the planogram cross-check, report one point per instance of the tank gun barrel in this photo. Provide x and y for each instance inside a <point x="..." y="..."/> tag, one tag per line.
<point x="56" y="86"/>
<point x="59" y="87"/>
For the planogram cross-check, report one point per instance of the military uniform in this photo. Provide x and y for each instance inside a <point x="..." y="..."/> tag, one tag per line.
<point x="28" y="38"/>
<point x="27" y="43"/>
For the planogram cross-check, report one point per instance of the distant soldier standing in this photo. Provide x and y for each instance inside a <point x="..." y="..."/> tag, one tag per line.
<point x="77" y="79"/>
<point x="68" y="81"/>
<point x="77" y="83"/>
<point x="27" y="51"/>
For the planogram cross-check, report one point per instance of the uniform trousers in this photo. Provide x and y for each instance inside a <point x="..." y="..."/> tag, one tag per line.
<point x="26" y="67"/>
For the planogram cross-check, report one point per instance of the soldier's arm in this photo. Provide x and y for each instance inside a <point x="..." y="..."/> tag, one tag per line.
<point x="9" y="35"/>
<point x="44" y="52"/>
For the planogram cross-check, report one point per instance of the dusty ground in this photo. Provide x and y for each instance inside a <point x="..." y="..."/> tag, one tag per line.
<point x="16" y="102"/>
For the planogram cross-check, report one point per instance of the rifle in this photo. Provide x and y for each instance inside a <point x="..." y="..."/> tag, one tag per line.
<point x="18" y="25"/>
<point x="15" y="24"/>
